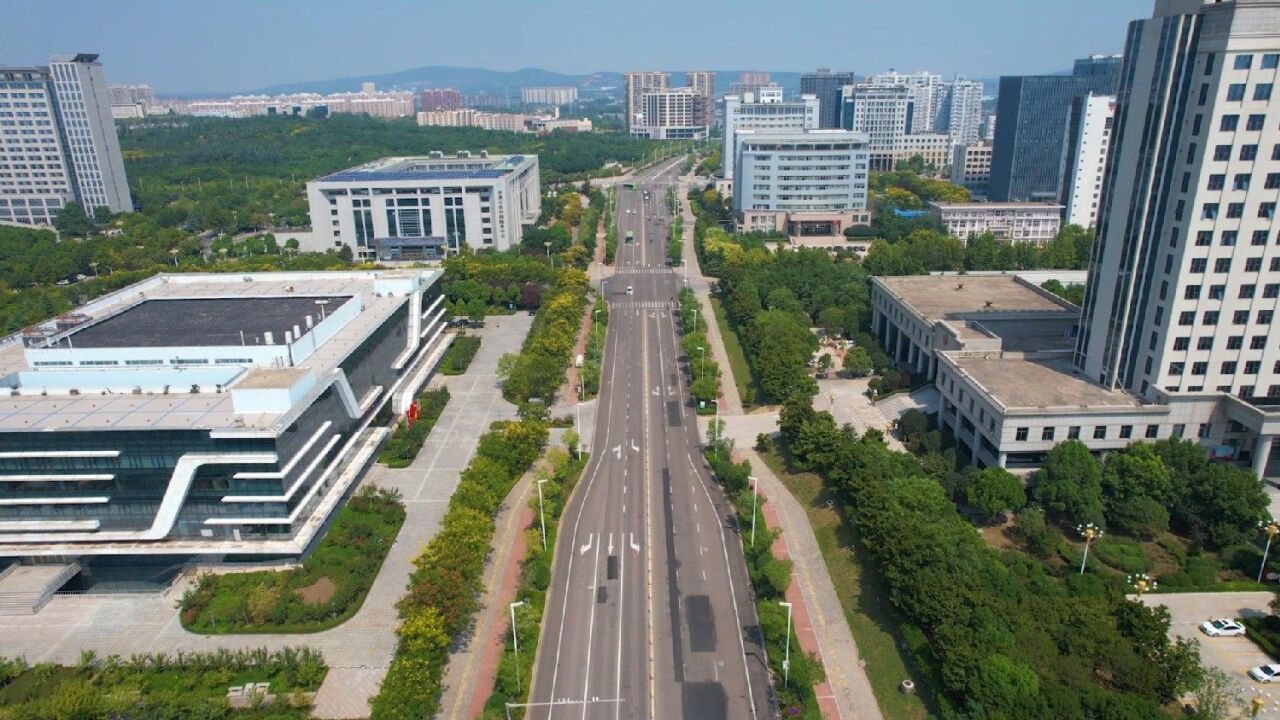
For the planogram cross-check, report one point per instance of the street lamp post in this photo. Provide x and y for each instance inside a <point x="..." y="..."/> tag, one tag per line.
<point x="1271" y="529"/>
<point x="515" y="641"/>
<point x="596" y="328"/>
<point x="1142" y="583"/>
<point x="786" y="658"/>
<point x="755" y="494"/>
<point x="1089" y="532"/>
<point x="547" y="245"/>
<point x="542" y="514"/>
<point x="702" y="361"/>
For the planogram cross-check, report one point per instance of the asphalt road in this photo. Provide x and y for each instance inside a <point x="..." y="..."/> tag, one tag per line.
<point x="650" y="612"/>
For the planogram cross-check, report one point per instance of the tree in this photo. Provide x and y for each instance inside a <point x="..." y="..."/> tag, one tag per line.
<point x="1136" y="472"/>
<point x="913" y="425"/>
<point x="71" y="220"/>
<point x="1069" y="484"/>
<point x="824" y="363"/>
<point x="996" y="490"/>
<point x="1030" y="525"/>
<point x="781" y="347"/>
<point x="857" y="362"/>
<point x="1219" y="697"/>
<point x="1223" y="505"/>
<point x="1139" y="516"/>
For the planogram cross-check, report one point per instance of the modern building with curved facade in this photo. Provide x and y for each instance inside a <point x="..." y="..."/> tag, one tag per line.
<point x="205" y="415"/>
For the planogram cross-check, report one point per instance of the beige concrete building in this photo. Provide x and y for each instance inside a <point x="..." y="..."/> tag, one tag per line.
<point x="1036" y="222"/>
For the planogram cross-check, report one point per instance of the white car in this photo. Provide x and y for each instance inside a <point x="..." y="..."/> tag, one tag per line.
<point x="1265" y="673"/>
<point x="1222" y="627"/>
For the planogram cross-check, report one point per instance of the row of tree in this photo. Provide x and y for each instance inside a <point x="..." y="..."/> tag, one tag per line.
<point x="1005" y="639"/>
<point x="441" y="600"/>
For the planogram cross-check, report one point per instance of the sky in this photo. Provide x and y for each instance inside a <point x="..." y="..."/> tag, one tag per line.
<point x="220" y="46"/>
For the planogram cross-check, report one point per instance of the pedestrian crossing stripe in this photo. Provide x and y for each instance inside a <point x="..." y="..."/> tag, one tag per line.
<point x="643" y="305"/>
<point x="643" y="271"/>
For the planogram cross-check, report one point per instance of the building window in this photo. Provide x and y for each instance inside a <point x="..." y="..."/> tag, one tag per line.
<point x="1153" y="431"/>
<point x="1256" y="122"/>
<point x="1247" y="291"/>
<point x="1176" y="368"/>
<point x="1248" y="152"/>
<point x="1187" y="317"/>
<point x="1199" y="368"/>
<point x="1073" y="432"/>
<point x="1253" y="265"/>
<point x="1262" y="92"/>
<point x="1217" y="292"/>
<point x="1265" y="316"/>
<point x="1181" y="343"/>
<point x="1243" y="62"/>
<point x="1210" y="317"/>
<point x="1267" y="210"/>
<point x="1235" y="92"/>
<point x="1100" y="432"/>
<point x="1229" y="367"/>
<point x="1251" y="367"/>
<point x="1229" y="123"/>
<point x="1209" y="211"/>
<point x="1270" y="61"/>
<point x="1222" y="265"/>
<point x="1222" y="153"/>
<point x="1258" y="342"/>
<point x="1241" y="317"/>
<point x="1198" y="265"/>
<point x="1021" y="434"/>
<point x="1259" y="238"/>
<point x="1240" y="181"/>
<point x="1204" y="238"/>
<point x="1217" y="181"/>
<point x="1191" y="292"/>
<point x="1229" y="236"/>
<point x="1046" y="433"/>
<point x="1126" y="432"/>
<point x="1235" y="342"/>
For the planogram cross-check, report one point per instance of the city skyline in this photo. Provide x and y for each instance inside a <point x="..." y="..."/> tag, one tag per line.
<point x="240" y="46"/>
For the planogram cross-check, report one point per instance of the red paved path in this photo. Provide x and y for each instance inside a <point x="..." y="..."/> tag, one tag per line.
<point x="493" y="645"/>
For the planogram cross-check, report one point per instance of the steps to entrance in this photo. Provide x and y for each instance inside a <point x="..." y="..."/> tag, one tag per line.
<point x="24" y="589"/>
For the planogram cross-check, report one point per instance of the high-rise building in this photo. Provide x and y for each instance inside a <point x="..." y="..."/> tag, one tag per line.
<point x="883" y="112"/>
<point x="703" y="82"/>
<point x="971" y="167"/>
<point x="749" y="82"/>
<point x="1032" y="111"/>
<point x="672" y="115"/>
<point x="927" y="90"/>
<point x="432" y="99"/>
<point x="1186" y="264"/>
<point x="803" y="183"/>
<point x="554" y="96"/>
<point x="639" y="83"/>
<point x="962" y="111"/>
<point x="132" y="95"/>
<point x="826" y="85"/>
<point x="70" y="152"/>
<point x="1085" y="158"/>
<point x="768" y="113"/>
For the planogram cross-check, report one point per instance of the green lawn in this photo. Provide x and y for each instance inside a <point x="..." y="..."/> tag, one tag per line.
<point x="864" y="597"/>
<point x="737" y="358"/>
<point x="458" y="357"/>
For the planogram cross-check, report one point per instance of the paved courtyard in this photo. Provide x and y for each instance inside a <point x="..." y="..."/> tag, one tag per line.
<point x="358" y="651"/>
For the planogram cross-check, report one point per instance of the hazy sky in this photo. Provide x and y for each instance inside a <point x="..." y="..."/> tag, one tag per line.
<point x="228" y="45"/>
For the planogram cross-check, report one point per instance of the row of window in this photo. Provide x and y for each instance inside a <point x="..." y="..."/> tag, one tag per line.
<point x="1219" y="292"/>
<point x="1099" y="432"/>
<point x="1223" y="265"/>
<point x="1242" y="181"/>
<point x="1229" y="367"/>
<point x="1239" y="317"/>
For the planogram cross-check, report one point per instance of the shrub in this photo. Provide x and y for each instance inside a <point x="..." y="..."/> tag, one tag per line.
<point x="1122" y="554"/>
<point x="459" y="356"/>
<point x="407" y="439"/>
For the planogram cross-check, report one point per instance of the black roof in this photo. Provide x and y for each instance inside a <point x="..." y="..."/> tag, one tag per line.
<point x="203" y="321"/>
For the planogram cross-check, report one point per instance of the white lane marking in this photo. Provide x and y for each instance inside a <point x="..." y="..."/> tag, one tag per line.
<point x="610" y="543"/>
<point x="617" y="451"/>
<point x="583" y="550"/>
<point x="634" y="545"/>
<point x="591" y="630"/>
<point x="634" y="447"/>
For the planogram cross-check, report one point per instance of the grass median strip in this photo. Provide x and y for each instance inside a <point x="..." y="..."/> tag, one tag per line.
<point x="737" y="358"/>
<point x="458" y="358"/>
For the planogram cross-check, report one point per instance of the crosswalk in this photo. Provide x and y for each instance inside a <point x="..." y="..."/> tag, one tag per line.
<point x="643" y="305"/>
<point x="642" y="271"/>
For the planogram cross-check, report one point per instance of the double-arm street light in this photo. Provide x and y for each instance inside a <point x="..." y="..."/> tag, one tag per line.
<point x="542" y="514"/>
<point x="515" y="641"/>
<point x="1089" y="532"/>
<point x="755" y="494"/>
<point x="786" y="658"/>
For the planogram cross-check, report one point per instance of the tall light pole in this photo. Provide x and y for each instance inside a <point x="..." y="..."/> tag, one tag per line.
<point x="786" y="658"/>
<point x="596" y="327"/>
<point x="542" y="514"/>
<point x="702" y="362"/>
<point x="515" y="641"/>
<point x="1271" y="529"/>
<point x="547" y="245"/>
<point x="755" y="494"/>
<point x="577" y="420"/>
<point x="1089" y="532"/>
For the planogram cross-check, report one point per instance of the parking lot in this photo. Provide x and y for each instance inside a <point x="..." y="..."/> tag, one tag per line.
<point x="1233" y="655"/>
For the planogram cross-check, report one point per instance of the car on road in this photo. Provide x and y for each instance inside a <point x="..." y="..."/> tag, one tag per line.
<point x="629" y="290"/>
<point x="1222" y="627"/>
<point x="1265" y="673"/>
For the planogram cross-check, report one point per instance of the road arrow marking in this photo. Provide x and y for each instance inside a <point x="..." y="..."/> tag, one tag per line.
<point x="617" y="451"/>
<point x="634" y="447"/>
<point x="634" y="545"/>
<point x="610" y="543"/>
<point x="583" y="550"/>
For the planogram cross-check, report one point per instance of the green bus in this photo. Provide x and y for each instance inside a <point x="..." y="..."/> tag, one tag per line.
<point x="629" y="186"/>
<point x="631" y="236"/>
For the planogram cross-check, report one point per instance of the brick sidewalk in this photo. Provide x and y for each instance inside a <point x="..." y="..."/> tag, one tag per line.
<point x="497" y="640"/>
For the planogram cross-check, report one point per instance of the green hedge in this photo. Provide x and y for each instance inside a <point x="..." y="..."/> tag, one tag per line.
<point x="460" y="354"/>
<point x="270" y="601"/>
<point x="1265" y="631"/>
<point x="437" y="609"/>
<point x="593" y="363"/>
<point x="539" y="370"/>
<point x="515" y="674"/>
<point x="186" y="685"/>
<point x="704" y="371"/>
<point x="770" y="577"/>
<point x="405" y="442"/>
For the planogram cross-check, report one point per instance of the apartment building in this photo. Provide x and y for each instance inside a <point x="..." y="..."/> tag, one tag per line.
<point x="828" y="87"/>
<point x="433" y="99"/>
<point x="971" y="167"/>
<point x="769" y="112"/>
<point x="802" y="183"/>
<point x="673" y="115"/>
<point x="1085" y="157"/>
<point x="553" y="96"/>
<point x="637" y="85"/>
<point x="703" y="83"/>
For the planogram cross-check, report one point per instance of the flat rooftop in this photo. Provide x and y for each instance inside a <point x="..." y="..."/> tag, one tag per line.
<point x="471" y="166"/>
<point x="203" y="322"/>
<point x="968" y="296"/>
<point x="998" y="206"/>
<point x="1022" y="382"/>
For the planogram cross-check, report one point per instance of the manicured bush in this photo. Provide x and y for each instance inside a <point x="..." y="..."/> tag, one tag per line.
<point x="1122" y="554"/>
<point x="407" y="438"/>
<point x="458" y="358"/>
<point x="325" y="591"/>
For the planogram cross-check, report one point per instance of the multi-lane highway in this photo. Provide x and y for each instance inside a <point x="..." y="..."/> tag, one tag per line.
<point x="649" y="614"/>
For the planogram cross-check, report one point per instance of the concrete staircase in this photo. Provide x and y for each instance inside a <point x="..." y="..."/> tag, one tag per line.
<point x="24" y="589"/>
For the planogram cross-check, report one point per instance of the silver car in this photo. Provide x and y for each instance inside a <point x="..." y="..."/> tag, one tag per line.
<point x="1222" y="627"/>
